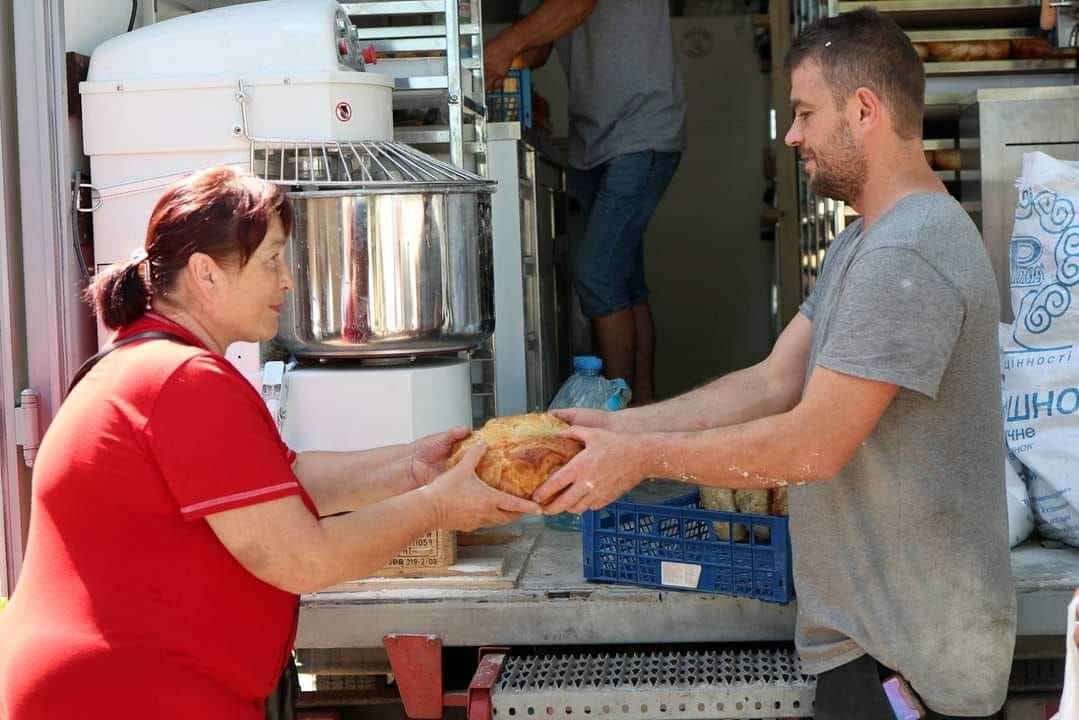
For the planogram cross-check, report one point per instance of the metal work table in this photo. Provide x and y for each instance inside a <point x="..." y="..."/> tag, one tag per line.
<point x="552" y="604"/>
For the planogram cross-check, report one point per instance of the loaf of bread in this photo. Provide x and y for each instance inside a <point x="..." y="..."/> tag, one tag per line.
<point x="923" y="51"/>
<point x="714" y="498"/>
<point x="1032" y="48"/>
<point x="780" y="506"/>
<point x="998" y="49"/>
<point x="949" y="51"/>
<point x="758" y="502"/>
<point x="969" y="50"/>
<point x="522" y="451"/>
<point x="949" y="159"/>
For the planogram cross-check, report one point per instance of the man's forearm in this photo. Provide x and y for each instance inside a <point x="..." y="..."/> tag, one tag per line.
<point x="547" y="23"/>
<point x="774" y="451"/>
<point x="736" y="398"/>
<point x="342" y="481"/>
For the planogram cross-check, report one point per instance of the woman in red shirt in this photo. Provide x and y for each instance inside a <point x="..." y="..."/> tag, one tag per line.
<point x="171" y="529"/>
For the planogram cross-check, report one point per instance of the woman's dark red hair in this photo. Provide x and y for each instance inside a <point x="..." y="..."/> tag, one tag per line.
<point x="221" y="212"/>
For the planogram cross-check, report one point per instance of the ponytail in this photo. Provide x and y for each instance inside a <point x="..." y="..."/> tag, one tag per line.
<point x="119" y="294"/>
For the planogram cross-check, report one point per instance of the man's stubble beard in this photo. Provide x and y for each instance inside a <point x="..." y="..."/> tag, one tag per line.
<point x="841" y="172"/>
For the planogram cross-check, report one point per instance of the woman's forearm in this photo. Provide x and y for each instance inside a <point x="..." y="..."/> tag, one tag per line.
<point x="358" y="544"/>
<point x="342" y="481"/>
<point x="282" y="544"/>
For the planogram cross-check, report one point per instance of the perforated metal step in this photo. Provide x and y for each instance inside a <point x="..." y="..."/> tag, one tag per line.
<point x="761" y="684"/>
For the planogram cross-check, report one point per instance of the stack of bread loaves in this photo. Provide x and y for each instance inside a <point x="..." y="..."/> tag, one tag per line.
<point x="757" y="502"/>
<point x="1026" y="48"/>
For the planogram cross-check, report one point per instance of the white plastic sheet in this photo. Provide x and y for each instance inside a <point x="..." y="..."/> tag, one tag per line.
<point x="1039" y="357"/>
<point x="1020" y="516"/>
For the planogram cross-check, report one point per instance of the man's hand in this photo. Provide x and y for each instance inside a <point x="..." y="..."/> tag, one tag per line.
<point x="427" y="459"/>
<point x="464" y="502"/>
<point x="498" y="54"/>
<point x="608" y="467"/>
<point x="616" y="421"/>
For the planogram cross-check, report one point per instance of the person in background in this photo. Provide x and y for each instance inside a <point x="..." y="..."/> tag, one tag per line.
<point x="171" y="529"/>
<point x="627" y="116"/>
<point x="879" y="408"/>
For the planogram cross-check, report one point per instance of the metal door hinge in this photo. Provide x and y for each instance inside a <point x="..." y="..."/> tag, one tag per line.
<point x="28" y="425"/>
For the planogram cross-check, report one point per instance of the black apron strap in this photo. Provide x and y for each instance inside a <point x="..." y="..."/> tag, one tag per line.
<point x="137" y="337"/>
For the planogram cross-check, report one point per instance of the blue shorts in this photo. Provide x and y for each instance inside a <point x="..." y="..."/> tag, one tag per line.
<point x="617" y="201"/>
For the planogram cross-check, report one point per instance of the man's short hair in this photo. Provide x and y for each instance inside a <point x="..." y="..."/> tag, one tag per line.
<point x="866" y="49"/>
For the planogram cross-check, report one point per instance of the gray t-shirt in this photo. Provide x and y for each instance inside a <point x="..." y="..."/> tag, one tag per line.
<point x="904" y="554"/>
<point x="625" y="88"/>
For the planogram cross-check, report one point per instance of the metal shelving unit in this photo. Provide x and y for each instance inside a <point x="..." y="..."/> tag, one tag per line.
<point x="807" y="12"/>
<point x="948" y="13"/>
<point x="821" y="220"/>
<point x="998" y="67"/>
<point x="936" y="6"/>
<point x="927" y="21"/>
<point x="434" y="51"/>
<point x="455" y="44"/>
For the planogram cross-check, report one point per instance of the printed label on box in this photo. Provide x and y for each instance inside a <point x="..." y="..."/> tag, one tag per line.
<point x="683" y="575"/>
<point x="425" y="546"/>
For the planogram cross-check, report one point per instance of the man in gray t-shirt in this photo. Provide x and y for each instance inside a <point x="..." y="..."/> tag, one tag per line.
<point x="879" y="408"/>
<point x="903" y="555"/>
<point x="627" y="117"/>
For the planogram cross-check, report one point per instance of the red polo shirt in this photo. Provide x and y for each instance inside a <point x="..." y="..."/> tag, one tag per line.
<point x="128" y="605"/>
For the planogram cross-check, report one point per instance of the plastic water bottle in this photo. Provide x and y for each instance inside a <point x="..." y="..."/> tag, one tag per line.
<point x="587" y="388"/>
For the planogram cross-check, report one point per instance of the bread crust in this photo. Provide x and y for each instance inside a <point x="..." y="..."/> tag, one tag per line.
<point x="1034" y="48"/>
<point x="949" y="159"/>
<point x="969" y="50"/>
<point x="522" y="451"/>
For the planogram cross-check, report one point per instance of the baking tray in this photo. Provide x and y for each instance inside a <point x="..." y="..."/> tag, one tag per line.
<point x="955" y="13"/>
<point x="967" y="34"/>
<point x="997" y="67"/>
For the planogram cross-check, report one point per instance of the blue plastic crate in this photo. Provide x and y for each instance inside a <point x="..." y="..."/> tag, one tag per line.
<point x="674" y="545"/>
<point x="515" y="104"/>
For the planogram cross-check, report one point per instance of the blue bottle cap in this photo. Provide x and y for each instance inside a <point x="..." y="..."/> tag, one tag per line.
<point x="587" y="362"/>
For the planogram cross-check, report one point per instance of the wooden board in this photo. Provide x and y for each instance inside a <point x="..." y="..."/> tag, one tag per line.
<point x="480" y="567"/>
<point x="487" y="537"/>
<point x="470" y="561"/>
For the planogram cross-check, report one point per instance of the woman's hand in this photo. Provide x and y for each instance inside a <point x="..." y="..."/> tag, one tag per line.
<point x="427" y="459"/>
<point x="464" y="502"/>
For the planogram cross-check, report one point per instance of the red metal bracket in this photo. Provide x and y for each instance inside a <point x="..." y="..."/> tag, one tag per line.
<point x="416" y="661"/>
<point x="480" y="702"/>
